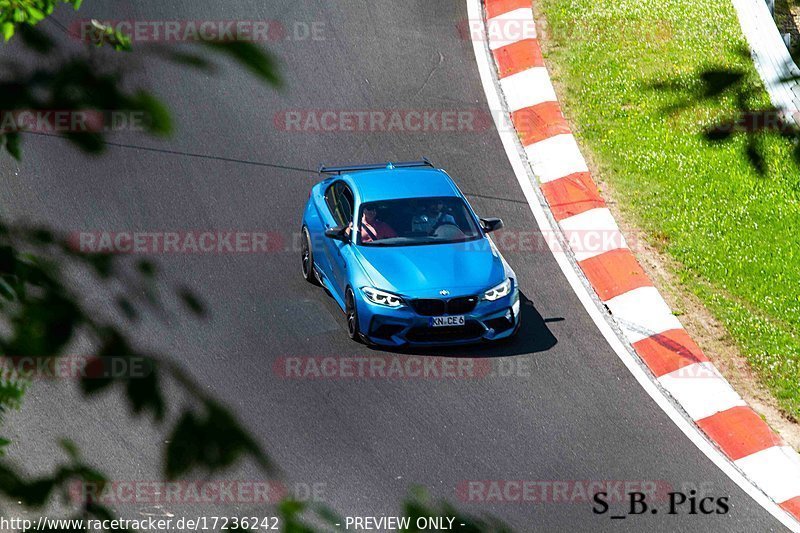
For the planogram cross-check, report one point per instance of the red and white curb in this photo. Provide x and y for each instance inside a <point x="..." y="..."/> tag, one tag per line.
<point x="641" y="314"/>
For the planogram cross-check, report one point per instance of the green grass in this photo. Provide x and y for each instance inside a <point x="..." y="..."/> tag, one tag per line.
<point x="735" y="233"/>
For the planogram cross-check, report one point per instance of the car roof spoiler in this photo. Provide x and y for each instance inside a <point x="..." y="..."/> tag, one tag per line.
<point x="424" y="162"/>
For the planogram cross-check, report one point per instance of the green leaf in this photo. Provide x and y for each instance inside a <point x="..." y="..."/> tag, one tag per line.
<point x="42" y="236"/>
<point x="183" y="449"/>
<point x="34" y="15"/>
<point x="8" y="259"/>
<point x="6" y="291"/>
<point x="158" y="121"/>
<point x="212" y="441"/>
<point x="144" y="395"/>
<point x="106" y="35"/>
<point x="146" y="268"/>
<point x="35" y="40"/>
<point x="121" y="42"/>
<point x="191" y="302"/>
<point x="13" y="145"/>
<point x="8" y="30"/>
<point x="127" y="308"/>
<point x="71" y="448"/>
<point x="256" y="60"/>
<point x="191" y="60"/>
<point x="103" y="264"/>
<point x="88" y="141"/>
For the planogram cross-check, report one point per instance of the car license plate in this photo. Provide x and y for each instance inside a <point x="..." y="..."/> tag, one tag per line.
<point x="439" y="321"/>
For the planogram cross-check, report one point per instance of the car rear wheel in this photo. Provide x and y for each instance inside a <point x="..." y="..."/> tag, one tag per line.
<point x="307" y="255"/>
<point x="352" y="315"/>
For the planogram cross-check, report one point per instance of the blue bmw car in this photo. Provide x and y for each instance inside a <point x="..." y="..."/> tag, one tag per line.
<point x="401" y="251"/>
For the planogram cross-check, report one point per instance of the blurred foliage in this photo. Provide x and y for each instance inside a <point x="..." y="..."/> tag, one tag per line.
<point x="14" y="13"/>
<point x="82" y="82"/>
<point x="35" y="493"/>
<point x="41" y="310"/>
<point x="45" y="313"/>
<point x="102" y="35"/>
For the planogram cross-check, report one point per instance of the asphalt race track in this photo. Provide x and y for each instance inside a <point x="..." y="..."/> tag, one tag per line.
<point x="567" y="411"/>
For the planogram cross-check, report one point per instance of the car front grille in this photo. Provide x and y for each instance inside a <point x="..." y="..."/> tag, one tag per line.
<point x="469" y="331"/>
<point x="459" y="306"/>
<point x="439" y="307"/>
<point x="429" y="307"/>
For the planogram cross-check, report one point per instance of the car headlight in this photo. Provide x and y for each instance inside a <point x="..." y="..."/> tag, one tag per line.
<point x="498" y="291"/>
<point x="380" y="297"/>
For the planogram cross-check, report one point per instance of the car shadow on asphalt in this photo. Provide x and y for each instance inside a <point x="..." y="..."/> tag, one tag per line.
<point x="534" y="336"/>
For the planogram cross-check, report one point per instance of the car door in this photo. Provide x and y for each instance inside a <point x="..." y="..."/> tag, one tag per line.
<point x="339" y="199"/>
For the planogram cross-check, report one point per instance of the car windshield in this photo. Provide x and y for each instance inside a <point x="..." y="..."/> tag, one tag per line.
<point x="415" y="221"/>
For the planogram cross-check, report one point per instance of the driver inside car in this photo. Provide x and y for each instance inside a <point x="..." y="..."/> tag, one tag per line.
<point x="373" y="229"/>
<point x="434" y="216"/>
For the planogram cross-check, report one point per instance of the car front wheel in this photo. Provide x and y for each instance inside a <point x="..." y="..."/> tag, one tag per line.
<point x="352" y="315"/>
<point x="308" y="258"/>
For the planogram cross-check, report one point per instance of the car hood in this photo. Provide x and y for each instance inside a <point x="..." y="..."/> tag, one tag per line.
<point x="418" y="271"/>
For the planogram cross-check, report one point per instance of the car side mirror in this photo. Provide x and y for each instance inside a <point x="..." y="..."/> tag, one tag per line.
<point x="338" y="234"/>
<point x="491" y="224"/>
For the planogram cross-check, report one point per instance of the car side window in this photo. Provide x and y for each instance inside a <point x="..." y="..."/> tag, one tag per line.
<point x="339" y="199"/>
<point x="346" y="202"/>
<point x="331" y="199"/>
